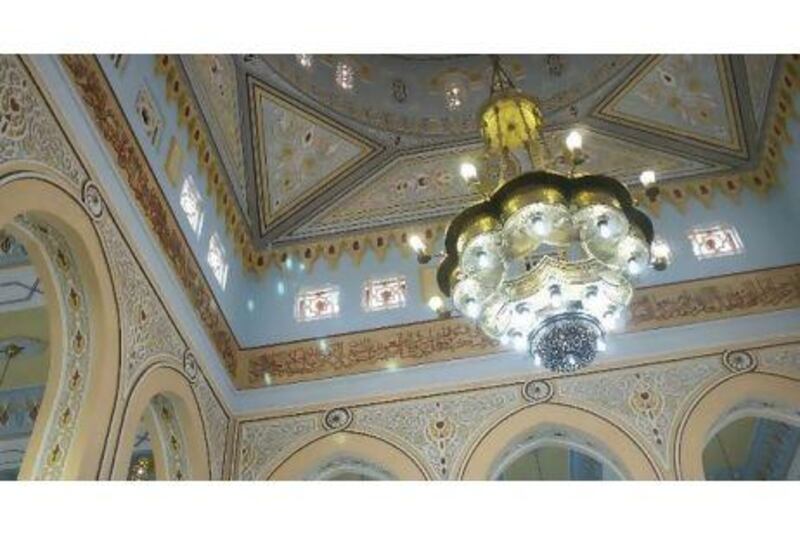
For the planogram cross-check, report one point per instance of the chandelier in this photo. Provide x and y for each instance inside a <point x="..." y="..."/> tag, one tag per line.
<point x="545" y="262"/>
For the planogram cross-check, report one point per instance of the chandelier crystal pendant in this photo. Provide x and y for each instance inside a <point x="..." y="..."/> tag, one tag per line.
<point x="545" y="262"/>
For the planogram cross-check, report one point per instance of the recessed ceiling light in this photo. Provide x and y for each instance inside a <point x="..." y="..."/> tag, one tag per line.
<point x="305" y="60"/>
<point x="345" y="76"/>
<point x="454" y="97"/>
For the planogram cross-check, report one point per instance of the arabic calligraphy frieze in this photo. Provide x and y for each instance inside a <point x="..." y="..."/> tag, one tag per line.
<point x="440" y="340"/>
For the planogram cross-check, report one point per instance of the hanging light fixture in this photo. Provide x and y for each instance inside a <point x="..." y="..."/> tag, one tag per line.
<point x="545" y="261"/>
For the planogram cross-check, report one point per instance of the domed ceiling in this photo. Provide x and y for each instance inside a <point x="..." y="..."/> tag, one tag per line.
<point x="429" y="96"/>
<point x="318" y="145"/>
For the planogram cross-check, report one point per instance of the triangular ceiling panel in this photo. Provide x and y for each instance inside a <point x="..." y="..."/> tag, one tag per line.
<point x="625" y="160"/>
<point x="759" y="78"/>
<point x="410" y="188"/>
<point x="213" y="78"/>
<point x="686" y="97"/>
<point x="298" y="152"/>
<point x="426" y="186"/>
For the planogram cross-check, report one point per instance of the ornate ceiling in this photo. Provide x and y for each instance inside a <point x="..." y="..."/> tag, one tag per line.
<point x="308" y="157"/>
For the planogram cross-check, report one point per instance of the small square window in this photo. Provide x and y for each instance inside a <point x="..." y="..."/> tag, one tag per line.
<point x="216" y="260"/>
<point x="317" y="304"/>
<point x="192" y="204"/>
<point x="385" y="293"/>
<point x="719" y="240"/>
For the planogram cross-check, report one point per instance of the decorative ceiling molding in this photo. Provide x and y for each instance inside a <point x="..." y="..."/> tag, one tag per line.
<point x="685" y="97"/>
<point x="759" y="180"/>
<point x="205" y="150"/>
<point x="411" y="188"/>
<point x="759" y="75"/>
<point x="426" y="185"/>
<point x="110" y="120"/>
<point x="407" y="95"/>
<point x="652" y="308"/>
<point x="328" y="238"/>
<point x="297" y="152"/>
<point x="213" y="78"/>
<point x="676" y="191"/>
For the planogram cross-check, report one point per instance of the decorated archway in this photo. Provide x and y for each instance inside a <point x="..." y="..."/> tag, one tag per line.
<point x="770" y="395"/>
<point x="346" y="446"/>
<point x="70" y="432"/>
<point x="180" y="446"/>
<point x="491" y="449"/>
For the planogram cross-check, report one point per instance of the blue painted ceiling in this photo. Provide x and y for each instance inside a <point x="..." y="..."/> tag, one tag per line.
<point x="260" y="308"/>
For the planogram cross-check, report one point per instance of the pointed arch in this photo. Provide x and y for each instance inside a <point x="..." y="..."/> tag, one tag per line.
<point x="777" y="394"/>
<point x="71" y="429"/>
<point x="354" y="446"/>
<point x="489" y="449"/>
<point x="183" y="429"/>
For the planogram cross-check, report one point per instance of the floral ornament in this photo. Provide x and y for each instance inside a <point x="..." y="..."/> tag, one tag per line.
<point x="537" y="391"/>
<point x="677" y="85"/>
<point x="190" y="368"/>
<point x="399" y="90"/>
<point x="14" y="99"/>
<point x="440" y="431"/>
<point x="739" y="361"/>
<point x="646" y="401"/>
<point x="92" y="200"/>
<point x="337" y="419"/>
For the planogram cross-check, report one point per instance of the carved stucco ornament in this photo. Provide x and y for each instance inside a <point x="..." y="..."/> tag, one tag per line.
<point x="739" y="361"/>
<point x="337" y="419"/>
<point x="537" y="391"/>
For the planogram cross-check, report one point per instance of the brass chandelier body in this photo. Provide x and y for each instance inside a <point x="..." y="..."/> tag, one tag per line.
<point x="545" y="262"/>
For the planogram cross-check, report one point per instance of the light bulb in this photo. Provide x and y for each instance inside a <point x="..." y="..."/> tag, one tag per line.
<point x="591" y="294"/>
<point x="537" y="360"/>
<point x="648" y="177"/>
<point x="555" y="296"/>
<point x="604" y="228"/>
<point x="660" y="249"/>
<point x="539" y="225"/>
<point x="471" y="308"/>
<point x="435" y="303"/>
<point x="483" y="259"/>
<point x="601" y="344"/>
<point x="518" y="340"/>
<point x="468" y="171"/>
<point x="574" y="141"/>
<point x="305" y="60"/>
<point x="634" y="267"/>
<point x="415" y="241"/>
<point x="609" y="319"/>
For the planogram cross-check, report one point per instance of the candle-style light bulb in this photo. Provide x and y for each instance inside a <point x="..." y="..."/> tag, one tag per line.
<point x="468" y="171"/>
<point x="648" y="178"/>
<point x="574" y="141"/>
<point x="415" y="241"/>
